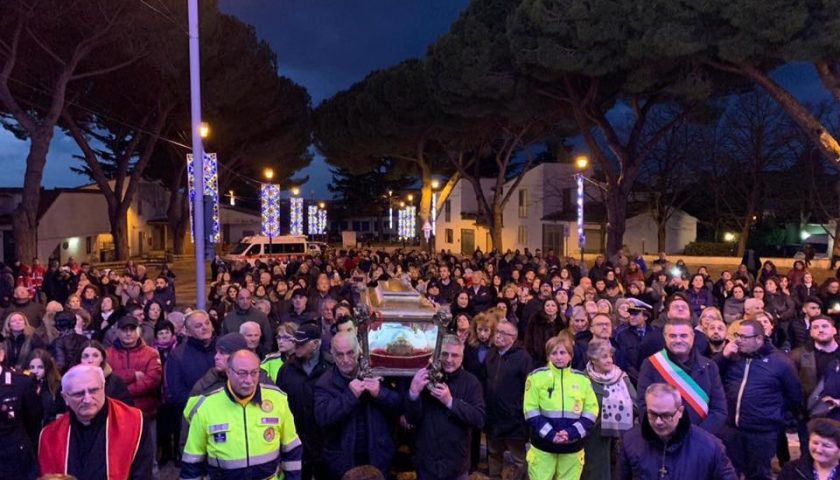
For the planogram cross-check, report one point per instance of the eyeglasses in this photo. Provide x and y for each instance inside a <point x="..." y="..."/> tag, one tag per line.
<point x="505" y="334"/>
<point x="246" y="373"/>
<point x="665" y="417"/>
<point x="80" y="395"/>
<point x="738" y="336"/>
<point x="285" y="338"/>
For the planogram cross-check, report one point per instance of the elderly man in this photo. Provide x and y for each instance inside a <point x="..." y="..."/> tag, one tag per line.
<point x="101" y="438"/>
<point x="761" y="386"/>
<point x="697" y="378"/>
<point x="691" y="452"/>
<point x="297" y="378"/>
<point x="243" y="312"/>
<point x="444" y="413"/>
<point x="354" y="413"/>
<point x="252" y="333"/>
<point x="244" y="430"/>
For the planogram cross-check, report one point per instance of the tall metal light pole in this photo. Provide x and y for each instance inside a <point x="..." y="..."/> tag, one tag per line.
<point x="581" y="162"/>
<point x="198" y="153"/>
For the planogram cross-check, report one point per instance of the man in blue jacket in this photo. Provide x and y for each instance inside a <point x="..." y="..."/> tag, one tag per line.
<point x="356" y="414"/>
<point x="761" y="385"/>
<point x="667" y="445"/>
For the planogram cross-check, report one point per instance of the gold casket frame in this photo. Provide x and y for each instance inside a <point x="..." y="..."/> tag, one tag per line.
<point x="400" y="331"/>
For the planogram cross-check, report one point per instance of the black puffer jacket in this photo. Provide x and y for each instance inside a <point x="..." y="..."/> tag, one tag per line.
<point x="506" y="376"/>
<point x="300" y="389"/>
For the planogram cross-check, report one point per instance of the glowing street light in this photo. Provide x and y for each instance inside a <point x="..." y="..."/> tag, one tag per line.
<point x="581" y="162"/>
<point x="268" y="173"/>
<point x="204" y="130"/>
<point x="410" y="197"/>
<point x="728" y="237"/>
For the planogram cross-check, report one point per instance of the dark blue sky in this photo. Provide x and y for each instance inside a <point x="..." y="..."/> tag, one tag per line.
<point x="326" y="46"/>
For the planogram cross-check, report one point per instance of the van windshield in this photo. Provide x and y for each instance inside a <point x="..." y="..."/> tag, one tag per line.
<point x="239" y="248"/>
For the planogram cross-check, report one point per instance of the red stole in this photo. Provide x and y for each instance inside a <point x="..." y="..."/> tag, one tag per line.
<point x="124" y="427"/>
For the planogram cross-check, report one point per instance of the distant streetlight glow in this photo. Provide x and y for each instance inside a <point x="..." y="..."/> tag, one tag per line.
<point x="581" y="162"/>
<point x="435" y="184"/>
<point x="204" y="130"/>
<point x="410" y="197"/>
<point x="268" y="173"/>
<point x="728" y="237"/>
<point x="295" y="191"/>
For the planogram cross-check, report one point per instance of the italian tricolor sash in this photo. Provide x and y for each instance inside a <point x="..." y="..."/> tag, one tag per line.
<point x="678" y="378"/>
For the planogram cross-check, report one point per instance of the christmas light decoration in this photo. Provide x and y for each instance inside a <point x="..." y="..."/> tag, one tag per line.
<point x="312" y="217"/>
<point x="296" y="216"/>
<point x="270" y="209"/>
<point x="211" y="189"/>
<point x="580" y="232"/>
<point x="322" y="221"/>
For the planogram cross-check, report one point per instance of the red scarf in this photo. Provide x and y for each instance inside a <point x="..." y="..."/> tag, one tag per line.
<point x="124" y="427"/>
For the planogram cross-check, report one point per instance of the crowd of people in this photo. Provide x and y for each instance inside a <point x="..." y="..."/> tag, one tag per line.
<point x="618" y="369"/>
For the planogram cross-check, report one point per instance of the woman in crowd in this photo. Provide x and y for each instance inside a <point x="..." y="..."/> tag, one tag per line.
<point x="778" y="304"/>
<point x="20" y="340"/>
<point x="94" y="354"/>
<point x="733" y="308"/>
<point x="47" y="382"/>
<point x="616" y="399"/>
<point x="824" y="447"/>
<point x="153" y="313"/>
<point x="545" y="324"/>
<point x="557" y="440"/>
<point x="105" y="319"/>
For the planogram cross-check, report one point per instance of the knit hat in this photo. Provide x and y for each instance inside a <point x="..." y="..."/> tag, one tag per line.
<point x="230" y="343"/>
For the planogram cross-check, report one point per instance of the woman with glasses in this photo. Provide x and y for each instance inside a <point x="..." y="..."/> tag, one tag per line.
<point x="285" y="348"/>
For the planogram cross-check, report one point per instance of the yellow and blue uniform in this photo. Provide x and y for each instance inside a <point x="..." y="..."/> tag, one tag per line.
<point x="271" y="365"/>
<point x="233" y="438"/>
<point x="558" y="400"/>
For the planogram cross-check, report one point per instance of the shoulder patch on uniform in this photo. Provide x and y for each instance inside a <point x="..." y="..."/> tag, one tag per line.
<point x="269" y="386"/>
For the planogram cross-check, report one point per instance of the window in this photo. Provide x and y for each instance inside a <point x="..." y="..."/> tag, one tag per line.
<point x="522" y="235"/>
<point x="365" y="226"/>
<point x="450" y="235"/>
<point x="523" y="203"/>
<point x="567" y="199"/>
<point x="357" y="226"/>
<point x="447" y="211"/>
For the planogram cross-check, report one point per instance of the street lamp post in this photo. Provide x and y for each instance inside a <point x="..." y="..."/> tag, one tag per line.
<point x="433" y="240"/>
<point x="581" y="162"/>
<point x="268" y="173"/>
<point x="198" y="151"/>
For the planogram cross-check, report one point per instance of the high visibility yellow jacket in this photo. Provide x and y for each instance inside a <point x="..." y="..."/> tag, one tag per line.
<point x="229" y="441"/>
<point x="271" y="365"/>
<point x="559" y="400"/>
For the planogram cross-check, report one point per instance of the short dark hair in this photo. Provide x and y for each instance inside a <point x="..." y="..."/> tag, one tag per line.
<point x="363" y="472"/>
<point x="826" y="428"/>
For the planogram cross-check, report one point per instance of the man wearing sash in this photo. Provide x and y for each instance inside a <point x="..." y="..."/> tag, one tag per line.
<point x="693" y="375"/>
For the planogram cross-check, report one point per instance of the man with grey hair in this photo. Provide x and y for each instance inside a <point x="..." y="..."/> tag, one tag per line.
<point x="252" y="333"/>
<point x="444" y="413"/>
<point x="666" y="428"/>
<point x="100" y="437"/>
<point x="354" y="412"/>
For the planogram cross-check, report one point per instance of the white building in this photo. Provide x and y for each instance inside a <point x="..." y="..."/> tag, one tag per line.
<point x="74" y="223"/>
<point x="541" y="214"/>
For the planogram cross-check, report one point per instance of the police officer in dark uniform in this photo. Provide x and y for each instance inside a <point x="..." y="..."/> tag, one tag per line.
<point x="20" y="422"/>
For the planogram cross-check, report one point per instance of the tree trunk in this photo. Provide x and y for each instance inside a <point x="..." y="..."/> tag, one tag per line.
<point x="119" y="230"/>
<point x="25" y="220"/>
<point x="178" y="218"/>
<point x="745" y="225"/>
<point x="425" y="200"/>
<point x="616" y="218"/>
<point x="497" y="227"/>
<point x="661" y="234"/>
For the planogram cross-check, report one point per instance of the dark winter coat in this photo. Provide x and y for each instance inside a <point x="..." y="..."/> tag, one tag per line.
<point x="690" y="453"/>
<point x="760" y="389"/>
<point x="506" y="376"/>
<point x="705" y="373"/>
<point x="185" y="366"/>
<point x="300" y="389"/>
<point x="443" y="434"/>
<point x="338" y="411"/>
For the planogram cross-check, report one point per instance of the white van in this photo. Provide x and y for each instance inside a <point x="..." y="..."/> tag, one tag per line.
<point x="259" y="247"/>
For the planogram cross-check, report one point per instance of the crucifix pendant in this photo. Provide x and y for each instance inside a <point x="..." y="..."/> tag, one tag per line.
<point x="663" y="471"/>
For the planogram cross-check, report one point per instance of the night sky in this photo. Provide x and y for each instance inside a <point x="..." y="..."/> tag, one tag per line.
<point x="326" y="46"/>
